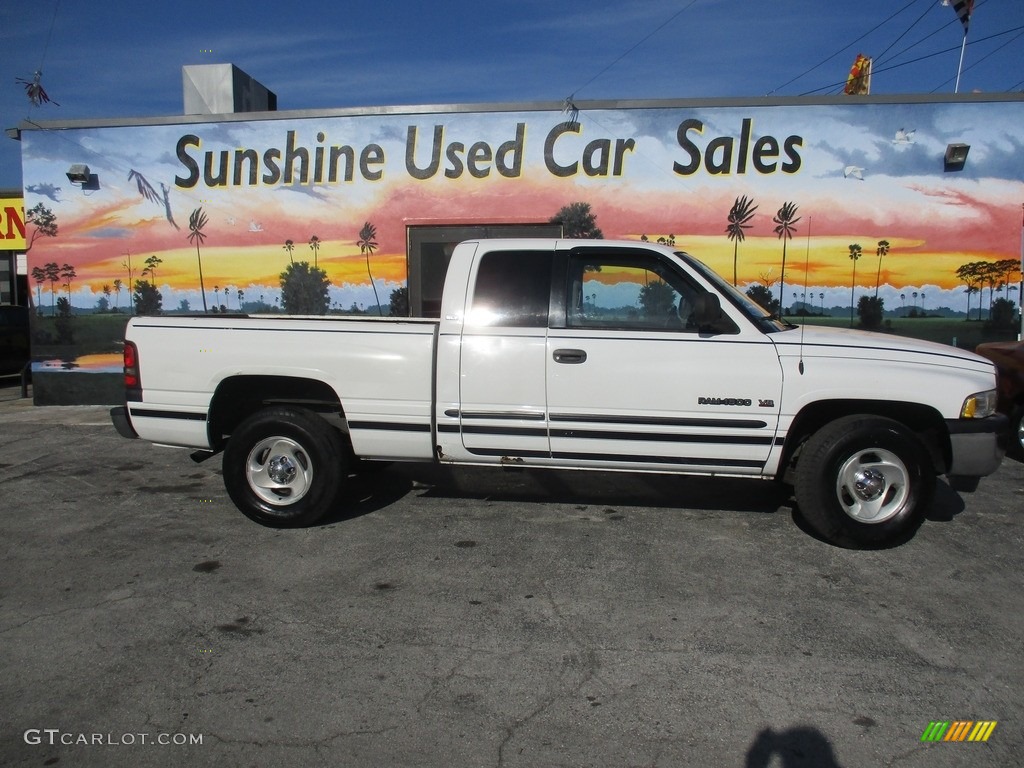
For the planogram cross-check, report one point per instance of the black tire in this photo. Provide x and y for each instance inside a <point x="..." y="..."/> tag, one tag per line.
<point x="285" y="467"/>
<point x="864" y="481"/>
<point x="1016" y="446"/>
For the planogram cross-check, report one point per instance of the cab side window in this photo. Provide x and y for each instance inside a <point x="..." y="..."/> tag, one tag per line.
<point x="628" y="291"/>
<point x="512" y="288"/>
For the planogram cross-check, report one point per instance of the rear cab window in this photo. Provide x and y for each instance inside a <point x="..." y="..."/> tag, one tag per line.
<point x="512" y="289"/>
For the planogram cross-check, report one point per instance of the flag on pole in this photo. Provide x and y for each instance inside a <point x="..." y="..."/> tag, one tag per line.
<point x="963" y="9"/>
<point x="858" y="82"/>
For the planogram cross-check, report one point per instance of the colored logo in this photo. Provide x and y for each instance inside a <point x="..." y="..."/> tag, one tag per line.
<point x="958" y="730"/>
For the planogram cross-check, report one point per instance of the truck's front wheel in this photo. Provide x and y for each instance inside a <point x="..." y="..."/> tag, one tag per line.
<point x="285" y="467"/>
<point x="864" y="480"/>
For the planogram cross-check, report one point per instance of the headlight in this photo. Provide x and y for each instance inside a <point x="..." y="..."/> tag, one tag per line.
<point x="980" y="405"/>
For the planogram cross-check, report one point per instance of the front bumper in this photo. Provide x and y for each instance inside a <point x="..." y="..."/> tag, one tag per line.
<point x="977" y="445"/>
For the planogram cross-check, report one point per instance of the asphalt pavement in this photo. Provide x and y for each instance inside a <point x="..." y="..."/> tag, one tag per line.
<point x="486" y="618"/>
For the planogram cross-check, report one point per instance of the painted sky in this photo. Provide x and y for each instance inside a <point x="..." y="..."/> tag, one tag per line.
<point x="934" y="221"/>
<point x="123" y="59"/>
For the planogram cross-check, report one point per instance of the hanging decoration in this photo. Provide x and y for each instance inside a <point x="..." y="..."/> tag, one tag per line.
<point x="34" y="90"/>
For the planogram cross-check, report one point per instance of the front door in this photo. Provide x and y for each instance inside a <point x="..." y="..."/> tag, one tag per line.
<point x="634" y="384"/>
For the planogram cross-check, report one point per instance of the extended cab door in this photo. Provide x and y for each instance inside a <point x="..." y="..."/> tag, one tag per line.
<point x="634" y="383"/>
<point x="501" y="412"/>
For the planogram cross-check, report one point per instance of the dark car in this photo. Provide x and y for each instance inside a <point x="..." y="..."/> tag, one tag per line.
<point x="1009" y="359"/>
<point x="14" y="334"/>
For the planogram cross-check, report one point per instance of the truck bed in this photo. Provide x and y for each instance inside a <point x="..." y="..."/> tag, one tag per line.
<point x="382" y="369"/>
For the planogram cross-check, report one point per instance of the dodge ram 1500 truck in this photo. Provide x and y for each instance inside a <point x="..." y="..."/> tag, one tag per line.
<point x="583" y="354"/>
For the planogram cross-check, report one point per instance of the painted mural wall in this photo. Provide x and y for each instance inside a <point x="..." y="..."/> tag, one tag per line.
<point x="738" y="186"/>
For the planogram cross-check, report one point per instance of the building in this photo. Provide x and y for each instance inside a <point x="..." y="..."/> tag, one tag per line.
<point x="210" y="211"/>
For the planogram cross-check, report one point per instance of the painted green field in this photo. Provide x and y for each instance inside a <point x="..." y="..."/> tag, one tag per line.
<point x="965" y="334"/>
<point x="91" y="334"/>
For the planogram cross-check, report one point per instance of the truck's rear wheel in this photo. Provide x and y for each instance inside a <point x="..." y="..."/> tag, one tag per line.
<point x="285" y="467"/>
<point x="864" y="480"/>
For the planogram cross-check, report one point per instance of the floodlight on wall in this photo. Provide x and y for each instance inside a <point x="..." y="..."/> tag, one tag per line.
<point x="955" y="157"/>
<point x="78" y="174"/>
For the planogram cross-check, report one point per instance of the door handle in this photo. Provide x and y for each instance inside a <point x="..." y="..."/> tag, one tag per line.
<point x="570" y="356"/>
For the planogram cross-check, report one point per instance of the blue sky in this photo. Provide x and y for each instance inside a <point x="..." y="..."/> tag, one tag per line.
<point x="118" y="59"/>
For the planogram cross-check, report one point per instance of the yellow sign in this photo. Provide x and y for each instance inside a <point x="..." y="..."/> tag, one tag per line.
<point x="12" y="224"/>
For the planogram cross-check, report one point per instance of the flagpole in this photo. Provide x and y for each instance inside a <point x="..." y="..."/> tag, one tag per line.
<point x="960" y="66"/>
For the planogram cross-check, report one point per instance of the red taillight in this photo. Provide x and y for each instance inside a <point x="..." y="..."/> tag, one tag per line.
<point x="132" y="380"/>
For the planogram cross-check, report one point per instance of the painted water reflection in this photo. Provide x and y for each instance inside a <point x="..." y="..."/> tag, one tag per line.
<point x="108" y="362"/>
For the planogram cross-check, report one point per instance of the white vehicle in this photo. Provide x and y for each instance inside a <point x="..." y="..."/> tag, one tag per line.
<point x="583" y="354"/>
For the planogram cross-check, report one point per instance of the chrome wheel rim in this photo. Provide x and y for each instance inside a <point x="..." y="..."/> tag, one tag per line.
<point x="279" y="471"/>
<point x="873" y="486"/>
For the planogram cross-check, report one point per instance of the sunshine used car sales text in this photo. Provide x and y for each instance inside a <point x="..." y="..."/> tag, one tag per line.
<point x="566" y="153"/>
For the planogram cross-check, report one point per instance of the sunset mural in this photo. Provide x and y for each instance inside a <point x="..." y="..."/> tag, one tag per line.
<point x="858" y="173"/>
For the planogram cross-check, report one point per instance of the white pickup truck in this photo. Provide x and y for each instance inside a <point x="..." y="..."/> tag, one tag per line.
<point x="582" y="354"/>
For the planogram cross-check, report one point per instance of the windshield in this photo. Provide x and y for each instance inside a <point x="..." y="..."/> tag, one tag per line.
<point x="760" y="316"/>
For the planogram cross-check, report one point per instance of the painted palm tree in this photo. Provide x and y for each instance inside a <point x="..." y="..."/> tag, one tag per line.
<point x="855" y="253"/>
<point x="314" y="245"/>
<point x="196" y="222"/>
<point x="785" y="220"/>
<point x="367" y="243"/>
<point x="52" y="271"/>
<point x="67" y="273"/>
<point x="118" y="285"/>
<point x="152" y="263"/>
<point x="880" y="251"/>
<point x="740" y="214"/>
<point x="39" y="275"/>
<point x="289" y="246"/>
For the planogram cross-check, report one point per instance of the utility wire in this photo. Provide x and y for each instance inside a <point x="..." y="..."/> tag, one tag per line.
<point x="664" y="24"/>
<point x="848" y="45"/>
<point x="953" y="21"/>
<point x="920" y="58"/>
<point x="927" y="10"/>
<point x="33" y="87"/>
<point x="926" y="37"/>
<point x="987" y="55"/>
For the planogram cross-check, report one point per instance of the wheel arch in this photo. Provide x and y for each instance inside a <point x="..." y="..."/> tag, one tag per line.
<point x="923" y="420"/>
<point x="238" y="397"/>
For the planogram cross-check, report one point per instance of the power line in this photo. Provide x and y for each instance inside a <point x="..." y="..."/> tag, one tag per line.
<point x="953" y="21"/>
<point x="664" y="24"/>
<point x="49" y="35"/>
<point x="927" y="10"/>
<point x="848" y="45"/>
<point x="920" y="58"/>
<point x="987" y="55"/>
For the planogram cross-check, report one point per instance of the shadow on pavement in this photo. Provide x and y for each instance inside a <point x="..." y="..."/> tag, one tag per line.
<point x="798" y="747"/>
<point x="573" y="487"/>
